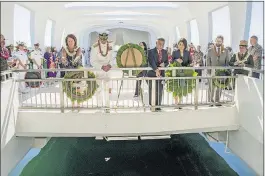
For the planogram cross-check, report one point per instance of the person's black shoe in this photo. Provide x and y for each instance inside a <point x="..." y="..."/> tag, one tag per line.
<point x="158" y="109"/>
<point x="218" y="105"/>
<point x="178" y="107"/>
<point x="211" y="105"/>
<point x="136" y="98"/>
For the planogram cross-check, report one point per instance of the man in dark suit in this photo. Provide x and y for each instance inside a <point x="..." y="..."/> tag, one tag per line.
<point x="157" y="57"/>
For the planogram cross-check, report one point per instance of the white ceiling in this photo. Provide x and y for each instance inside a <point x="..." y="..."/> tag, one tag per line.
<point x="122" y="4"/>
<point x="160" y="18"/>
<point x="82" y="15"/>
<point x="101" y="10"/>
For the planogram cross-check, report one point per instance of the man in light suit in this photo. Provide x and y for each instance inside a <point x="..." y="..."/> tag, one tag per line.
<point x="216" y="56"/>
<point x="157" y="57"/>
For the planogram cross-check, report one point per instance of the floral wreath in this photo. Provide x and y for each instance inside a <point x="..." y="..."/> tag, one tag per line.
<point x="35" y="75"/>
<point x="180" y="87"/>
<point x="130" y="46"/>
<point x="73" y="93"/>
<point x="222" y="82"/>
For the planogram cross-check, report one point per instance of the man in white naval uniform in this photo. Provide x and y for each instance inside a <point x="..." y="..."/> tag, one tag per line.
<point x="37" y="55"/>
<point x="22" y="56"/>
<point x="101" y="58"/>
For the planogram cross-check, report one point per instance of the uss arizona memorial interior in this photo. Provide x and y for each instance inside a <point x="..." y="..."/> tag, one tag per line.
<point x="161" y="19"/>
<point x="137" y="22"/>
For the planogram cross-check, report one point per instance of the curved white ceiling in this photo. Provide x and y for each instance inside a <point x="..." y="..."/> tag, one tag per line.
<point x="121" y="4"/>
<point x="85" y="15"/>
<point x="122" y="13"/>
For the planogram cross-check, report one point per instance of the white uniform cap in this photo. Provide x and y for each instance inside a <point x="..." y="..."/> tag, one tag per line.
<point x="103" y="31"/>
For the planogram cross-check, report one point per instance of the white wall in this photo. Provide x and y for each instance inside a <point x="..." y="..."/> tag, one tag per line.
<point x="202" y="15"/>
<point x="13" y="149"/>
<point x="124" y="35"/>
<point x="50" y="124"/>
<point x="7" y="24"/>
<point x="248" y="142"/>
<point x="9" y="110"/>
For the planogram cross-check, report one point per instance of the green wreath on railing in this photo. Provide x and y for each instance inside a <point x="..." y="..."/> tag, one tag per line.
<point x="180" y="87"/>
<point x="3" y="64"/>
<point x="222" y="82"/>
<point x="79" y="91"/>
<point x="138" y="62"/>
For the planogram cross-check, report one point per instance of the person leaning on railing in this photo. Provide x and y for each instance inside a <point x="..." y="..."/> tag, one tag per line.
<point x="157" y="57"/>
<point x="182" y="56"/>
<point x="71" y="56"/>
<point x="242" y="59"/>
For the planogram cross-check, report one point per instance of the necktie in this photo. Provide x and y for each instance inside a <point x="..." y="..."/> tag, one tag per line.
<point x="218" y="49"/>
<point x="159" y="56"/>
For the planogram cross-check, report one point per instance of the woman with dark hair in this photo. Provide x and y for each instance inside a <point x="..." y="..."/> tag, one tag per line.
<point x="50" y="60"/>
<point x="71" y="54"/>
<point x="142" y="73"/>
<point x="182" y="56"/>
<point x="144" y="46"/>
<point x="72" y="58"/>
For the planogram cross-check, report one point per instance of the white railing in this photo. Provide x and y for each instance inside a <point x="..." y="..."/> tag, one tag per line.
<point x="52" y="95"/>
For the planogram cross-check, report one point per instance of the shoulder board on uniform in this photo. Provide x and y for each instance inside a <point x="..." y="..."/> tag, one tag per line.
<point x="95" y="45"/>
<point x="110" y="41"/>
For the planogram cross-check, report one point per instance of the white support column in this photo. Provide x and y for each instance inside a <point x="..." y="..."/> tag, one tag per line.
<point x="7" y="21"/>
<point x="40" y="25"/>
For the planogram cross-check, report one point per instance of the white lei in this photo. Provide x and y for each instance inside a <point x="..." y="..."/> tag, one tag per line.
<point x="69" y="53"/>
<point x="243" y="60"/>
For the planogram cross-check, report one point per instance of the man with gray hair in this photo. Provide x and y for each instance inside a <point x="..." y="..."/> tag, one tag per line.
<point x="256" y="51"/>
<point x="157" y="57"/>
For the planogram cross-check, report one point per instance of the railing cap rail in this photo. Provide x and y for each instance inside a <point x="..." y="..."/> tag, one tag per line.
<point x="140" y="68"/>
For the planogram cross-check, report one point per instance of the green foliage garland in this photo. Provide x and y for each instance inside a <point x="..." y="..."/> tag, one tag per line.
<point x="180" y="87"/>
<point x="222" y="82"/>
<point x="123" y="48"/>
<point x="3" y="64"/>
<point x="71" y="92"/>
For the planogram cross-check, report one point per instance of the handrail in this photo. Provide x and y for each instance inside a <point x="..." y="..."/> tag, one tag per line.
<point x="6" y="72"/>
<point x="8" y="110"/>
<point x="140" y="68"/>
<point x="125" y="78"/>
<point x="101" y="100"/>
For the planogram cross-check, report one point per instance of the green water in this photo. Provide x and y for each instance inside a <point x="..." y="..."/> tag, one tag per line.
<point x="186" y="154"/>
